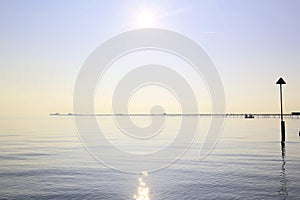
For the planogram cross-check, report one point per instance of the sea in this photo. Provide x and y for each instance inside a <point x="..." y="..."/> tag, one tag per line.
<point x="44" y="157"/>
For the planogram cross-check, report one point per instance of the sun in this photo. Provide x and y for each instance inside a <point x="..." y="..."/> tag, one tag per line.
<point x="145" y="19"/>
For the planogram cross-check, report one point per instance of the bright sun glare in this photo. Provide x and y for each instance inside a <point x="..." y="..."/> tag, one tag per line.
<point x="145" y="19"/>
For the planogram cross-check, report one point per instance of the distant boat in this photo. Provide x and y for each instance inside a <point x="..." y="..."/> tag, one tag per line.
<point x="249" y="116"/>
<point x="54" y="113"/>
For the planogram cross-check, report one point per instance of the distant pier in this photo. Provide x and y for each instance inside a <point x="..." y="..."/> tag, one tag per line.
<point x="228" y="115"/>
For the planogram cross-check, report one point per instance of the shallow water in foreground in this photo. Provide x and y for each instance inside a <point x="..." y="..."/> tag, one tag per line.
<point x="42" y="158"/>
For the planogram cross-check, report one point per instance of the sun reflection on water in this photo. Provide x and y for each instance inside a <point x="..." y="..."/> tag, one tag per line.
<point x="143" y="191"/>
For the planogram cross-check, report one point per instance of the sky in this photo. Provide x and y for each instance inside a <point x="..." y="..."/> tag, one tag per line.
<point x="45" y="43"/>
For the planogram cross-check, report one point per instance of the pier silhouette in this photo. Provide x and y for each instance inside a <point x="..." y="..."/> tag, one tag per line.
<point x="226" y="115"/>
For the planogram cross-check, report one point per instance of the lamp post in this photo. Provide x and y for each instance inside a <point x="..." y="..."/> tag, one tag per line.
<point x="281" y="82"/>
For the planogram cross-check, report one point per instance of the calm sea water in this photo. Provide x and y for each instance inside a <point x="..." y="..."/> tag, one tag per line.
<point x="42" y="158"/>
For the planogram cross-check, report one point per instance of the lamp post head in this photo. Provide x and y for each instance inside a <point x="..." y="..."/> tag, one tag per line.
<point x="281" y="81"/>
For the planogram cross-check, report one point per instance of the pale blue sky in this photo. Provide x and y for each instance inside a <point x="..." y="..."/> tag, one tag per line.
<point x="44" y="44"/>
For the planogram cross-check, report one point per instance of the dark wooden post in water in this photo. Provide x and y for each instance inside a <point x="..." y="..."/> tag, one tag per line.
<point x="281" y="82"/>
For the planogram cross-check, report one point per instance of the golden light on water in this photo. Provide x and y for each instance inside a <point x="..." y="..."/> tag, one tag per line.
<point x="143" y="190"/>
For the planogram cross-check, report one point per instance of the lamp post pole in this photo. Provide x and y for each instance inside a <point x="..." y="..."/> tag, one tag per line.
<point x="281" y="82"/>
